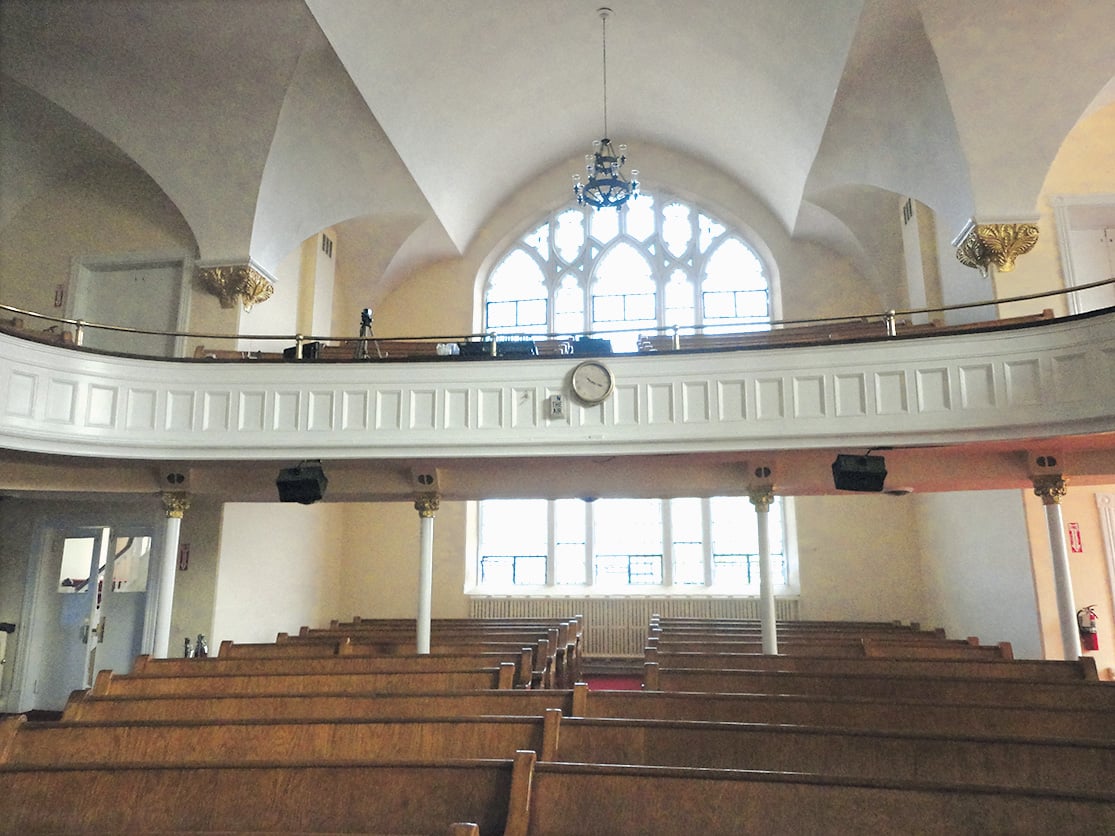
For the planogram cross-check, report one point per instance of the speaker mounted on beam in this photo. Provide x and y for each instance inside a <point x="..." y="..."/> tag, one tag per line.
<point x="304" y="484"/>
<point x="859" y="473"/>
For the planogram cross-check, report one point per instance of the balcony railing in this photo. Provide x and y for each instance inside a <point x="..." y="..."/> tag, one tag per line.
<point x="889" y="324"/>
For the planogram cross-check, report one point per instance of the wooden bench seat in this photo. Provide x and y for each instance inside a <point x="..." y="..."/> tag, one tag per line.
<point x="345" y="663"/>
<point x="399" y="681"/>
<point x="83" y="705"/>
<point x="267" y="740"/>
<point x="551" y="798"/>
<point x="884" y="714"/>
<point x="839" y="648"/>
<point x="295" y="797"/>
<point x="1025" y="763"/>
<point x="984" y="760"/>
<point x="969" y="689"/>
<point x="1029" y="669"/>
<point x="546" y="667"/>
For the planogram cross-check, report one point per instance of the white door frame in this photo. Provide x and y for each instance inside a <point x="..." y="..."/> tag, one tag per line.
<point x="21" y="696"/>
<point x="83" y="267"/>
<point x="1062" y="216"/>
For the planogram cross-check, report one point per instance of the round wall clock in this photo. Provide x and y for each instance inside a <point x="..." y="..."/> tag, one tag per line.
<point x="592" y="382"/>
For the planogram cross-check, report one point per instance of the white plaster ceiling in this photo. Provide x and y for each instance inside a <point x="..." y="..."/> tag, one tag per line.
<point x="412" y="121"/>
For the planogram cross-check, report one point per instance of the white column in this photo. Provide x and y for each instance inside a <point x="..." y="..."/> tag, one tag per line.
<point x="176" y="505"/>
<point x="1051" y="489"/>
<point x="427" y="507"/>
<point x="761" y="498"/>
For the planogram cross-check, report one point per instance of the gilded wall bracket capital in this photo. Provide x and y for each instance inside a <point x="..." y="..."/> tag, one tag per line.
<point x="998" y="244"/>
<point x="236" y="283"/>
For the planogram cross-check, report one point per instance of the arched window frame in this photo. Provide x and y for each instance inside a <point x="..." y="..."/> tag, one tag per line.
<point x="547" y="245"/>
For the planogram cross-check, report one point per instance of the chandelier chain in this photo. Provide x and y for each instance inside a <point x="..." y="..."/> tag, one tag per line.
<point x="604" y="40"/>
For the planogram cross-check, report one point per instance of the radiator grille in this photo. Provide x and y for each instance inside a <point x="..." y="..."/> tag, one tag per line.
<point x="617" y="627"/>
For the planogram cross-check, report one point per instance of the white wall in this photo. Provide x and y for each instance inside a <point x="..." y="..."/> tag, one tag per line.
<point x="279" y="570"/>
<point x="976" y="566"/>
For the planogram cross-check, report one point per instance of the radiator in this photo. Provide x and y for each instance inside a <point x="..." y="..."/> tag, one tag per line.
<point x="617" y="627"/>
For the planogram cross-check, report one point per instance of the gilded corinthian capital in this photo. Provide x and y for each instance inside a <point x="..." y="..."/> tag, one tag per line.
<point x="176" y="503"/>
<point x="427" y="504"/>
<point x="232" y="283"/>
<point x="1051" y="489"/>
<point x="998" y="244"/>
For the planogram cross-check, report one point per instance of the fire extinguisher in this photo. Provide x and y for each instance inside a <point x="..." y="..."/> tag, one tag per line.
<point x="1086" y="621"/>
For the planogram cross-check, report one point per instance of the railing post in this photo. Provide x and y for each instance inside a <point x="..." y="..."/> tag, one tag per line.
<point x="892" y="326"/>
<point x="79" y="332"/>
<point x="677" y="339"/>
<point x="298" y="340"/>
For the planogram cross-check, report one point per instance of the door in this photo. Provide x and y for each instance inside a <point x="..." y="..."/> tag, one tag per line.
<point x="142" y="294"/>
<point x="91" y="609"/>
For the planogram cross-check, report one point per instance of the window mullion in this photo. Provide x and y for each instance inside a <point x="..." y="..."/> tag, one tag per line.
<point x="590" y="545"/>
<point x="667" y="543"/>
<point x="551" y="543"/>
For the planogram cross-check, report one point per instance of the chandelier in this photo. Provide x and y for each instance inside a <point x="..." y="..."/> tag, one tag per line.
<point x="606" y="185"/>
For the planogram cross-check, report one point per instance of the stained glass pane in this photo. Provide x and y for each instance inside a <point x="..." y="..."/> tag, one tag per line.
<point x="569" y="237"/>
<point x="540" y="240"/>
<point x="710" y="230"/>
<point x="677" y="231"/>
<point x="604" y="226"/>
<point x="734" y="266"/>
<point x="639" y="218"/>
<point x="518" y="276"/>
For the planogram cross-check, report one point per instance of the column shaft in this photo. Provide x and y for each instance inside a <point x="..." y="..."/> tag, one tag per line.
<point x="175" y="505"/>
<point x="426" y="506"/>
<point x="761" y="498"/>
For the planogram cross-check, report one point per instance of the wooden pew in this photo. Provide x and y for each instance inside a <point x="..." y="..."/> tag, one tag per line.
<point x="294" y="797"/>
<point x="836" y="647"/>
<point x="1024" y="763"/>
<point x="563" y="640"/>
<point x="267" y="741"/>
<point x="1067" y="721"/>
<point x="1063" y="721"/>
<point x="337" y="663"/>
<point x="536" y="662"/>
<point x="557" y="798"/>
<point x="970" y="689"/>
<point x="1028" y="669"/>
<point x="1029" y="763"/>
<point x="84" y="705"/>
<point x="398" y="681"/>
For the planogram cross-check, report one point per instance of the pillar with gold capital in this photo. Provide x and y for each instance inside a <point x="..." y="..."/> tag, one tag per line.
<point x="761" y="498"/>
<point x="426" y="505"/>
<point x="175" y="503"/>
<point x="1051" y="489"/>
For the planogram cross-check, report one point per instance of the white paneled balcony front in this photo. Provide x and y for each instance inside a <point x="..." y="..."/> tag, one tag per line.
<point x="1057" y="378"/>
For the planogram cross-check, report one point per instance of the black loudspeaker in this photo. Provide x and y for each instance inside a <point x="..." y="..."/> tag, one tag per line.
<point x="859" y="473"/>
<point x="305" y="483"/>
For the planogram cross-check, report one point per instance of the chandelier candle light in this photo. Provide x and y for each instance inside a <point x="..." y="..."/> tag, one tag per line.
<point x="606" y="184"/>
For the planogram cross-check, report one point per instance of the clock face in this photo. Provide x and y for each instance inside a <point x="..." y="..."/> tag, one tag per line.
<point x="592" y="382"/>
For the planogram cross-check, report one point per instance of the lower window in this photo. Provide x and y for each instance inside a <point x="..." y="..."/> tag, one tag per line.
<point x="679" y="546"/>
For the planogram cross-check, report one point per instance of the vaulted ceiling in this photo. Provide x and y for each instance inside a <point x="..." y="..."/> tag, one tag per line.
<point x="406" y="124"/>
